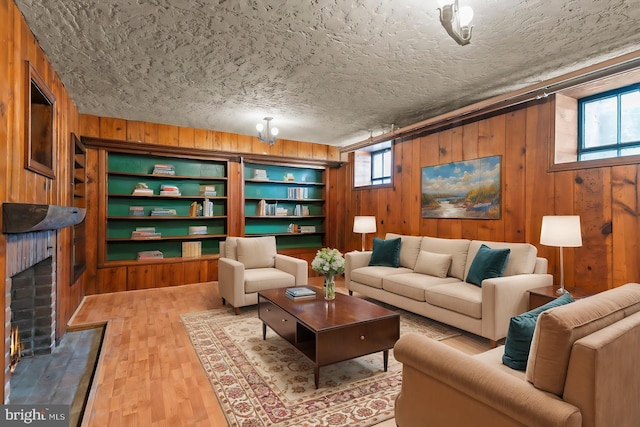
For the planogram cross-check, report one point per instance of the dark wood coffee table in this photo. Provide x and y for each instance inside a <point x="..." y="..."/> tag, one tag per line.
<point x="328" y="332"/>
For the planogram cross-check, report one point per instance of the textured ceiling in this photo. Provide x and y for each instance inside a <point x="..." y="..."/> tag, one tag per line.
<point x="328" y="71"/>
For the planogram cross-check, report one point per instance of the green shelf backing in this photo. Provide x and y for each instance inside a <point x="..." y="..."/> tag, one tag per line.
<point x="277" y="173"/>
<point x="121" y="251"/>
<point x="132" y="163"/>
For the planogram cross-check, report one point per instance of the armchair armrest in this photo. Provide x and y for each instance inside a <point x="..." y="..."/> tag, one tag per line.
<point x="231" y="280"/>
<point x="297" y="267"/>
<point x="353" y="260"/>
<point x="505" y="297"/>
<point x="445" y="386"/>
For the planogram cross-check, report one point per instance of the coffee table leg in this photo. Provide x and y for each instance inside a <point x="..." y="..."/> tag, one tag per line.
<point x="316" y="375"/>
<point x="385" y="357"/>
<point x="264" y="331"/>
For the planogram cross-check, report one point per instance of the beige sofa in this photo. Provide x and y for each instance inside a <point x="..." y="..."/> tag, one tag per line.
<point x="248" y="265"/>
<point x="483" y="311"/>
<point x="582" y="371"/>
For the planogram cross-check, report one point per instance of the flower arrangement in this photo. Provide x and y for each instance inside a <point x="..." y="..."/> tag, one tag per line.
<point x="328" y="262"/>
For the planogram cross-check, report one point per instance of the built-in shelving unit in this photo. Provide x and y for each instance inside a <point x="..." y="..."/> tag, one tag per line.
<point x="286" y="201"/>
<point x="127" y="213"/>
<point x="79" y="185"/>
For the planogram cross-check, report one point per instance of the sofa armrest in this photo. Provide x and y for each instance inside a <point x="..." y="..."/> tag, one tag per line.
<point x="231" y="280"/>
<point x="297" y="267"/>
<point x="505" y="297"/>
<point x="448" y="387"/>
<point x="353" y="260"/>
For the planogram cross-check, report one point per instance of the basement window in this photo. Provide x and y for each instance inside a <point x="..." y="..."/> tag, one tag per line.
<point x="597" y="124"/>
<point x="372" y="166"/>
<point x="609" y="124"/>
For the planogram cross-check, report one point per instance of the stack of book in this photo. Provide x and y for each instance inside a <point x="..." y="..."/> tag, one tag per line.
<point x="145" y="233"/>
<point x="161" y="169"/>
<point x="197" y="229"/>
<point x="142" y="189"/>
<point x="136" y="211"/>
<point x="300" y="293"/>
<point x="207" y="190"/>
<point x="191" y="249"/>
<point x="169" y="190"/>
<point x="307" y="228"/>
<point x="163" y="212"/>
<point x="144" y="255"/>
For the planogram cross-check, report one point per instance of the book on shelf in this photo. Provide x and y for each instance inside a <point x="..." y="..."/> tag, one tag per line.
<point x="144" y="255"/>
<point x="207" y="208"/>
<point x="191" y="249"/>
<point x="136" y="211"/>
<point x="297" y="193"/>
<point x="307" y="229"/>
<point x="208" y="190"/>
<point x="197" y="229"/>
<point x="260" y="174"/>
<point x="139" y="191"/>
<point x="163" y="212"/>
<point x="301" y="210"/>
<point x="300" y="293"/>
<point x="282" y="212"/>
<point x="162" y="169"/>
<point x="169" y="190"/>
<point x="145" y="233"/>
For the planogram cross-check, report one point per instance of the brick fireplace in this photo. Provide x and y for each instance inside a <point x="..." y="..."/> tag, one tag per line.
<point x="30" y="300"/>
<point x="30" y="276"/>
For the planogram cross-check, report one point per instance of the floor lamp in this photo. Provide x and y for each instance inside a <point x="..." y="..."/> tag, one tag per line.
<point x="561" y="231"/>
<point x="364" y="225"/>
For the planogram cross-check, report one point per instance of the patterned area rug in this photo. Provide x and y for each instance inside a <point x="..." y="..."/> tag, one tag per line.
<point x="270" y="383"/>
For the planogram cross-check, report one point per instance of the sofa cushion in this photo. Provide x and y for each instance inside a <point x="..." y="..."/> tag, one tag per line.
<point x="386" y="252"/>
<point x="413" y="285"/>
<point x="457" y="248"/>
<point x="558" y="329"/>
<point x="409" y="249"/>
<point x="522" y="259"/>
<point x="260" y="279"/>
<point x="487" y="264"/>
<point x="433" y="264"/>
<point x="372" y="276"/>
<point x="520" y="333"/>
<point x="460" y="297"/>
<point x="257" y="252"/>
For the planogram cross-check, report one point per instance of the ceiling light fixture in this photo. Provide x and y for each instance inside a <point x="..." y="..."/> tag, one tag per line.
<point x="269" y="135"/>
<point x="456" y="20"/>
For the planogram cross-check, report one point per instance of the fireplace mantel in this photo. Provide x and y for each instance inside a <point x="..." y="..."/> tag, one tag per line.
<point x="28" y="217"/>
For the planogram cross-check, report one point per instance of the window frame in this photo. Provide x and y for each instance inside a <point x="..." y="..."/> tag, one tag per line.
<point x="376" y="149"/>
<point x="380" y="180"/>
<point x="618" y="146"/>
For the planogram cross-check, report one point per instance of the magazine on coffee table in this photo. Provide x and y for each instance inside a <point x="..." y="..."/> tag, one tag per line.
<point x="300" y="293"/>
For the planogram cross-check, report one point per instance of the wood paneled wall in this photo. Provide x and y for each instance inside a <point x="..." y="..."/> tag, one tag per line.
<point x="17" y="45"/>
<point x="114" y="278"/>
<point x="606" y="198"/>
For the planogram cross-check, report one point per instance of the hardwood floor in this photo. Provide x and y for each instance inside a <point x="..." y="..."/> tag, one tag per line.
<point x="148" y="373"/>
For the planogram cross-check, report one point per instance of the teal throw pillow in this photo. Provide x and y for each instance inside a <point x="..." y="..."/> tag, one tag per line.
<point x="488" y="263"/>
<point x="386" y="252"/>
<point x="520" y="333"/>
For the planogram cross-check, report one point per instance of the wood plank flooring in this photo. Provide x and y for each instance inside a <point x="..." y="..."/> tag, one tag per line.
<point x="148" y="373"/>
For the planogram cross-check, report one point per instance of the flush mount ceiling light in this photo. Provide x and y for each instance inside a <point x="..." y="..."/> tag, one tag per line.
<point x="456" y="20"/>
<point x="269" y="134"/>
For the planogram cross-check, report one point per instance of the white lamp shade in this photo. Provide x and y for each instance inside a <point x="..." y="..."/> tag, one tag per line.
<point x="561" y="231"/>
<point x="364" y="224"/>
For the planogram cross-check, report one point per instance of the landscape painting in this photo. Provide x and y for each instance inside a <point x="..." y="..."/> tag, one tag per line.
<point x="468" y="189"/>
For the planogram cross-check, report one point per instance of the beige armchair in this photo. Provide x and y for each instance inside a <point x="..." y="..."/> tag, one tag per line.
<point x="248" y="265"/>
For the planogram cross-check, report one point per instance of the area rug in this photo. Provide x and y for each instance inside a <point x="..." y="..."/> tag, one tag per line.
<point x="270" y="383"/>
